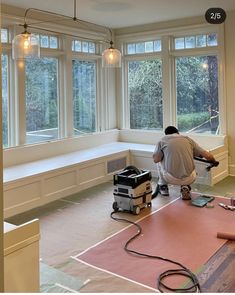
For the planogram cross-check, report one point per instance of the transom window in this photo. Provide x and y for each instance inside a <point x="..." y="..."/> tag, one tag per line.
<point x="196" y="41"/>
<point x="4" y="36"/>
<point x="144" y="47"/>
<point x="83" y="46"/>
<point x="47" y="41"/>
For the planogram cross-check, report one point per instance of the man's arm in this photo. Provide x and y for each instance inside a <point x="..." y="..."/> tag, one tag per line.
<point x="207" y="155"/>
<point x="157" y="157"/>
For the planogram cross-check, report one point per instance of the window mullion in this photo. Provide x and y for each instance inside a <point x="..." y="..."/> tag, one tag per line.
<point x="66" y="92"/>
<point x="168" y="98"/>
<point x="20" y="120"/>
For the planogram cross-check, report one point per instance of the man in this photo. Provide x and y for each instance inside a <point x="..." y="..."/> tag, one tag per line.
<point x="175" y="164"/>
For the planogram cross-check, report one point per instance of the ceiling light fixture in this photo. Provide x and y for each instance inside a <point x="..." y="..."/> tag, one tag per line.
<point x="27" y="45"/>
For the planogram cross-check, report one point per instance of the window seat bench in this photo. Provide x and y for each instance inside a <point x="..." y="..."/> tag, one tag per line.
<point x="33" y="184"/>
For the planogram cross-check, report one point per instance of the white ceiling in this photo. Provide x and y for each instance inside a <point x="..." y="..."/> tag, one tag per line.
<point x="123" y="13"/>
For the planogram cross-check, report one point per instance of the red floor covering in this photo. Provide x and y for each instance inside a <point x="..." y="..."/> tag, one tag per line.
<point x="179" y="231"/>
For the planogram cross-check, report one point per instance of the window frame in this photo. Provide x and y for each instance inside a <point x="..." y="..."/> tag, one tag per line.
<point x="64" y="54"/>
<point x="168" y="55"/>
<point x="92" y="58"/>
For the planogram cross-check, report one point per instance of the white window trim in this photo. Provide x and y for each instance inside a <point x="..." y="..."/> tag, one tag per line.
<point x="168" y="70"/>
<point x="64" y="54"/>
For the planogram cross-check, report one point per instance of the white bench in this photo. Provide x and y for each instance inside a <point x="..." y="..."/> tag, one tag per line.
<point x="21" y="257"/>
<point x="33" y="184"/>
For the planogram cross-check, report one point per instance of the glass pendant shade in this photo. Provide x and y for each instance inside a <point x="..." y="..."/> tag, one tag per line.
<point x="25" y="46"/>
<point x="111" y="58"/>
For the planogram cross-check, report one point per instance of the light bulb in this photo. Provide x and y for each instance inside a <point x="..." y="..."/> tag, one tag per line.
<point x="111" y="56"/>
<point x="26" y="43"/>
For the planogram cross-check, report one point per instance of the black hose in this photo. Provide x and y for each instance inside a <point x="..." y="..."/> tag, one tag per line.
<point x="182" y="271"/>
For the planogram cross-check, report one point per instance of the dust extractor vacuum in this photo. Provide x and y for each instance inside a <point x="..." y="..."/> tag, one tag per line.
<point x="132" y="189"/>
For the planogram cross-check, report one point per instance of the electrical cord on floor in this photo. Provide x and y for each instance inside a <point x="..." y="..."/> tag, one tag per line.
<point x="182" y="271"/>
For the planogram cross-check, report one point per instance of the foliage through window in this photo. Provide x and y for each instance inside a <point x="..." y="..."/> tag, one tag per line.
<point x="41" y="99"/>
<point x="5" y="95"/>
<point x="197" y="94"/>
<point x="84" y="96"/>
<point x="145" y="94"/>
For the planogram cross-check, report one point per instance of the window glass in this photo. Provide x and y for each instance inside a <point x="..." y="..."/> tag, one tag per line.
<point x="201" y="41"/>
<point x="157" y="45"/>
<point x="212" y="40"/>
<point x="4" y="36"/>
<point x="144" y="47"/>
<point x="149" y="46"/>
<point x="190" y="42"/>
<point x="140" y="47"/>
<point x="53" y="42"/>
<point x="131" y="48"/>
<point x="179" y="43"/>
<point x="44" y="41"/>
<point x="84" y="46"/>
<point x="91" y="47"/>
<point x="41" y="99"/>
<point x="197" y="94"/>
<point x="196" y="41"/>
<point x="5" y="96"/>
<point x="84" y="96"/>
<point x="145" y="94"/>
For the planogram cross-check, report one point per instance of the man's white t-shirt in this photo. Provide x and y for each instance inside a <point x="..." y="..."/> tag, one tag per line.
<point x="177" y="152"/>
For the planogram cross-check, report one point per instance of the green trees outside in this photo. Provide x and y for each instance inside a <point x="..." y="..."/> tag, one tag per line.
<point x="84" y="96"/>
<point x="145" y="94"/>
<point x="5" y="100"/>
<point x="196" y="91"/>
<point x="41" y="98"/>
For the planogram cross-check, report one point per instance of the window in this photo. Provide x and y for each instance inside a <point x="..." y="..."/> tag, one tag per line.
<point x="5" y="95"/>
<point x="177" y="84"/>
<point x="4" y="36"/>
<point x="145" y="94"/>
<point x="84" y="96"/>
<point x="144" y="47"/>
<point x="41" y="99"/>
<point x="196" y="41"/>
<point x="197" y="94"/>
<point x="47" y="41"/>
<point x="83" y="46"/>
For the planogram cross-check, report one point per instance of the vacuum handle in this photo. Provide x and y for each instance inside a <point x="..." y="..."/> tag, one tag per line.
<point x="212" y="163"/>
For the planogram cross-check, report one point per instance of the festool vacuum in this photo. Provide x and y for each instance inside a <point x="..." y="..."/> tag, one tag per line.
<point x="132" y="189"/>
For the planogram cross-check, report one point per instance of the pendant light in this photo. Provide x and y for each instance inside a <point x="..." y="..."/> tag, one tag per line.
<point x="26" y="45"/>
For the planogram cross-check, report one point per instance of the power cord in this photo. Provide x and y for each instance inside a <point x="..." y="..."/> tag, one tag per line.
<point x="182" y="271"/>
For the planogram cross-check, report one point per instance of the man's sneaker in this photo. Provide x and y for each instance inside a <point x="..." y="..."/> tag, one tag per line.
<point x="185" y="192"/>
<point x="163" y="189"/>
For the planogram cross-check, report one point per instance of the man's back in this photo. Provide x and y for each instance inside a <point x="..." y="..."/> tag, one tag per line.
<point x="178" y="152"/>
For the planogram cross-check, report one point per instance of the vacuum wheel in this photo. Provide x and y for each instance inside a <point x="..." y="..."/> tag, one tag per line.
<point x="115" y="206"/>
<point x="136" y="210"/>
<point x="149" y="204"/>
